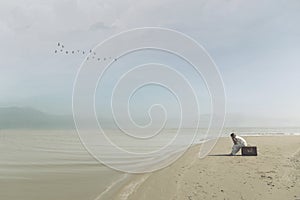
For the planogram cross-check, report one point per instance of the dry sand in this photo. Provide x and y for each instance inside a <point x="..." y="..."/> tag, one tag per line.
<point x="273" y="174"/>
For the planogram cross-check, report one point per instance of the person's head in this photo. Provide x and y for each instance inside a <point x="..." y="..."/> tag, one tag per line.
<point x="232" y="135"/>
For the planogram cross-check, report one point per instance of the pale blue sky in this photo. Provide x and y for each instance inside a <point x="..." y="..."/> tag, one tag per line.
<point x="255" y="44"/>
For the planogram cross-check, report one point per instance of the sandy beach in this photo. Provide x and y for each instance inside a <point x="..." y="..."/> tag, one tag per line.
<point x="273" y="174"/>
<point x="54" y="166"/>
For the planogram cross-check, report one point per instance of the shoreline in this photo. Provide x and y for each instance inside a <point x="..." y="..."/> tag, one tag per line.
<point x="54" y="165"/>
<point x="171" y="183"/>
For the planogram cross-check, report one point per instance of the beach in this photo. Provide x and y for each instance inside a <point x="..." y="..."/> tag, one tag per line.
<point x="273" y="174"/>
<point x="50" y="165"/>
<point x="53" y="165"/>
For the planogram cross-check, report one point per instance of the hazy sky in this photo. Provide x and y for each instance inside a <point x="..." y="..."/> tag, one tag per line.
<point x="255" y="44"/>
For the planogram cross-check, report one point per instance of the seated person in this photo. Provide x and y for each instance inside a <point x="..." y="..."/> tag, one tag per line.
<point x="238" y="143"/>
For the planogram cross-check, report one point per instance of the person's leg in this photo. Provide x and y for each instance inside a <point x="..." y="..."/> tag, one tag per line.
<point x="235" y="149"/>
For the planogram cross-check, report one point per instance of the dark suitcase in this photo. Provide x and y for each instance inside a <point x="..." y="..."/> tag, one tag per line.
<point x="249" y="151"/>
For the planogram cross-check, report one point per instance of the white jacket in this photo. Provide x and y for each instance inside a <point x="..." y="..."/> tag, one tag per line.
<point x="240" y="141"/>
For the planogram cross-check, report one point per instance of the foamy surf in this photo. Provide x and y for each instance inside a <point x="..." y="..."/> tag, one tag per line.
<point x="132" y="186"/>
<point x="111" y="186"/>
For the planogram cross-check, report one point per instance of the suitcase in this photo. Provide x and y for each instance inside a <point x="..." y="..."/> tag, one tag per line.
<point x="249" y="151"/>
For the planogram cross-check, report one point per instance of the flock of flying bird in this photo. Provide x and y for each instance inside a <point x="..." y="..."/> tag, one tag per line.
<point x="92" y="54"/>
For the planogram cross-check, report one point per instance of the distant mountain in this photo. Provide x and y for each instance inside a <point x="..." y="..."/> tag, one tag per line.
<point x="29" y="118"/>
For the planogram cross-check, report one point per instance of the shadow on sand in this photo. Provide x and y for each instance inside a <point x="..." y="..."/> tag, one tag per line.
<point x="222" y="155"/>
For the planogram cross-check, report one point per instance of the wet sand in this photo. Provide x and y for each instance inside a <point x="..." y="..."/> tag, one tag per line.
<point x="273" y="174"/>
<point x="54" y="166"/>
<point x="50" y="165"/>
